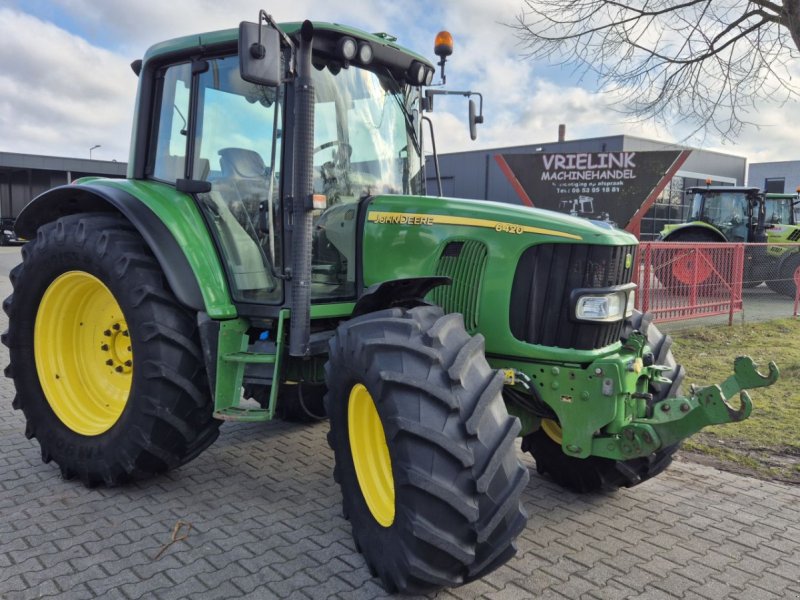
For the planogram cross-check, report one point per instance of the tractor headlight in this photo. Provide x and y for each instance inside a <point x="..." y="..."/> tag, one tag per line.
<point x="599" y="308"/>
<point x="604" y="306"/>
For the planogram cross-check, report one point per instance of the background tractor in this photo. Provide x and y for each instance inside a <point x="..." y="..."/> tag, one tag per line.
<point x="738" y="215"/>
<point x="273" y="236"/>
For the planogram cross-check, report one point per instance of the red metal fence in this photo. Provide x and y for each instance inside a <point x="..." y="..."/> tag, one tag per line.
<point x="692" y="279"/>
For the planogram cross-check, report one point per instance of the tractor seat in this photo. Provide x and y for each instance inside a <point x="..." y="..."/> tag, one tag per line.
<point x="247" y="179"/>
<point x="242" y="164"/>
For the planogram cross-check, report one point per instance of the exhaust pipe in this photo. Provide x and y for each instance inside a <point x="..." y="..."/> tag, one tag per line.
<point x="302" y="204"/>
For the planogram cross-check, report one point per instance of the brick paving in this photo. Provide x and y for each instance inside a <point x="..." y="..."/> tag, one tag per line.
<point x="266" y="523"/>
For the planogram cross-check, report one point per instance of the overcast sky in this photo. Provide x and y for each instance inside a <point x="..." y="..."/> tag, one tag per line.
<point x="66" y="83"/>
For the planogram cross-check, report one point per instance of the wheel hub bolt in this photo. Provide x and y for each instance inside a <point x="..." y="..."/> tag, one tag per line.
<point x="107" y="333"/>
<point x="666" y="407"/>
<point x="110" y="362"/>
<point x="104" y="347"/>
<point x="118" y="369"/>
<point x="115" y="326"/>
<point x="685" y="407"/>
<point x="128" y="363"/>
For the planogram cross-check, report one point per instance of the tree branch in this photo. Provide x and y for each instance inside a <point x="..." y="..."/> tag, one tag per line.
<point x="705" y="61"/>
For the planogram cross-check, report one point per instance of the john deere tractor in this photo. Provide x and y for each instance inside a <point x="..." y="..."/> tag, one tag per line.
<point x="739" y="215"/>
<point x="272" y="252"/>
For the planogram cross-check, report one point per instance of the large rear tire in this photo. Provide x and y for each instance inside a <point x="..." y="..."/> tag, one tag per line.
<point x="424" y="447"/>
<point x="679" y="272"/>
<point x="785" y="283"/>
<point x="596" y="473"/>
<point x="107" y="364"/>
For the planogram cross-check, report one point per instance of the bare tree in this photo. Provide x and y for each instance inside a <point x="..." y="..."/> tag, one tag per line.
<point x="706" y="62"/>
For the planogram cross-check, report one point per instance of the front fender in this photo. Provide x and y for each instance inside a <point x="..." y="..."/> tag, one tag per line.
<point x="669" y="233"/>
<point x="169" y="222"/>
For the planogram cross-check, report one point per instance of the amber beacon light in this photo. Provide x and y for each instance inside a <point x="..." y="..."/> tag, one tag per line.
<point x="443" y="46"/>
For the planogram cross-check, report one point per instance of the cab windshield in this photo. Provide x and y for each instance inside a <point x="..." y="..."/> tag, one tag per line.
<point x="365" y="143"/>
<point x="719" y="208"/>
<point x="365" y="135"/>
<point x="778" y="211"/>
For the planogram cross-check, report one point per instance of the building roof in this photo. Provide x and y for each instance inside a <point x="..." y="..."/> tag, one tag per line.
<point x="13" y="160"/>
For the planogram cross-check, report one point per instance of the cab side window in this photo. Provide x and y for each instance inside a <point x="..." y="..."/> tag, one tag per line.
<point x="168" y="157"/>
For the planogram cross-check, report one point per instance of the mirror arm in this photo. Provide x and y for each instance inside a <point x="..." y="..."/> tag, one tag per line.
<point x="429" y="94"/>
<point x="287" y="41"/>
<point x="435" y="155"/>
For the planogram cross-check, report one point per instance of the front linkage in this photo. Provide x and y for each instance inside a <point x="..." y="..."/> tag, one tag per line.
<point x="675" y="419"/>
<point x="608" y="408"/>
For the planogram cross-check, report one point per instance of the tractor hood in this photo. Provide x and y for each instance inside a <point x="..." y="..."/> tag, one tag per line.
<point x="479" y="218"/>
<point x="489" y="250"/>
<point x="405" y="236"/>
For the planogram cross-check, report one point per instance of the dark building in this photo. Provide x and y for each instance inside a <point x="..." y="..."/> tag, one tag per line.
<point x="508" y="174"/>
<point x="25" y="176"/>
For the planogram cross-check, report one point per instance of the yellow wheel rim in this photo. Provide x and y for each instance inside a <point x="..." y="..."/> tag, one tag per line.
<point x="83" y="353"/>
<point x="553" y="430"/>
<point x="370" y="455"/>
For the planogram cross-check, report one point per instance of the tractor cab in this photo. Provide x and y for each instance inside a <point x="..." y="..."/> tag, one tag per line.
<point x="735" y="213"/>
<point x="232" y="141"/>
<point x="782" y="209"/>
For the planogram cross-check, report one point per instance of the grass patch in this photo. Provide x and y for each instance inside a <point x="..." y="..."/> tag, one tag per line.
<point x="767" y="444"/>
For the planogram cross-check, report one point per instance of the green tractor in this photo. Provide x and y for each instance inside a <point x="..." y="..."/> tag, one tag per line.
<point x="273" y="238"/>
<point x="738" y="215"/>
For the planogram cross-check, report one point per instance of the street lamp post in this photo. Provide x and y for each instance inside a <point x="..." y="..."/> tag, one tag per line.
<point x="92" y="148"/>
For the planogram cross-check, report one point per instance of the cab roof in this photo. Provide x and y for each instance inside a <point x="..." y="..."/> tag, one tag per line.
<point x="231" y="36"/>
<point x="723" y="188"/>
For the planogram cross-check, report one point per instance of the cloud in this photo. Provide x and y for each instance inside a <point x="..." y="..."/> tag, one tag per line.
<point x="69" y="86"/>
<point x="59" y="94"/>
<point x="137" y="25"/>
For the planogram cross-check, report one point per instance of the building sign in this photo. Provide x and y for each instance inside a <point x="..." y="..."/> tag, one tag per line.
<point x="608" y="186"/>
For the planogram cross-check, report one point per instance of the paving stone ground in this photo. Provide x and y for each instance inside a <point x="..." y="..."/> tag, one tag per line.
<point x="266" y="523"/>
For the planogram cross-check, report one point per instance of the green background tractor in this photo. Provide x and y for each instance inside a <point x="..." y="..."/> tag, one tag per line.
<point x="273" y="236"/>
<point x="739" y="215"/>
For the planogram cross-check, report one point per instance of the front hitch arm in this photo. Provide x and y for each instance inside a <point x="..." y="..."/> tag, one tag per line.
<point x="675" y="419"/>
<point x="714" y="398"/>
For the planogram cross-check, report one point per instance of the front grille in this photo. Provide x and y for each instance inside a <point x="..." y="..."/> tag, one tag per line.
<point x="540" y="295"/>
<point x="465" y="263"/>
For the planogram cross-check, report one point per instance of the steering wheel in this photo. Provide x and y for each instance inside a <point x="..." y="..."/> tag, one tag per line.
<point x="341" y="145"/>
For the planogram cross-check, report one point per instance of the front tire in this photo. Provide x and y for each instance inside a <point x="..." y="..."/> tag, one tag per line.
<point x="107" y="364"/>
<point x="596" y="473"/>
<point x="424" y="448"/>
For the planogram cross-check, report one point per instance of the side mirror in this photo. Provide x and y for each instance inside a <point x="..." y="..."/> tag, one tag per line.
<point x="259" y="54"/>
<point x="474" y="120"/>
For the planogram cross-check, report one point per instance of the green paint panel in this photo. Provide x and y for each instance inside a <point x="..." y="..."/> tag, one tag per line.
<point x="328" y="311"/>
<point x="181" y="216"/>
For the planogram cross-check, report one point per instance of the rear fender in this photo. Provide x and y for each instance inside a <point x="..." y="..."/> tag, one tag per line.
<point x="169" y="222"/>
